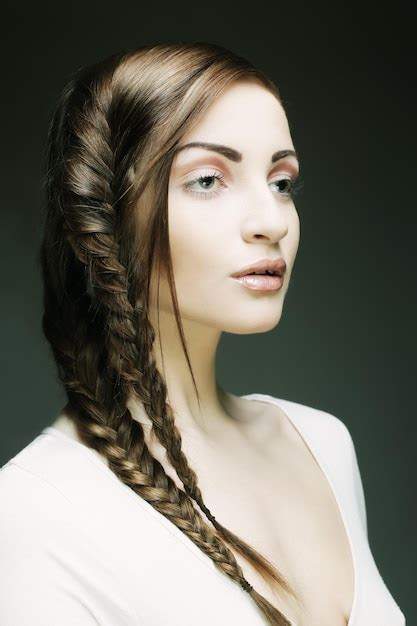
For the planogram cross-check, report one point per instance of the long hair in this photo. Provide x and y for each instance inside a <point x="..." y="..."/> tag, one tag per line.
<point x="111" y="142"/>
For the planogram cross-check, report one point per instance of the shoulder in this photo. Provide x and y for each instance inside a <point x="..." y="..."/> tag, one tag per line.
<point x="323" y="425"/>
<point x="323" y="432"/>
<point x="32" y="510"/>
<point x="31" y="482"/>
<point x="47" y="550"/>
<point x="37" y="488"/>
<point x="327" y="423"/>
<point x="330" y="438"/>
<point x="328" y="431"/>
<point x="35" y="519"/>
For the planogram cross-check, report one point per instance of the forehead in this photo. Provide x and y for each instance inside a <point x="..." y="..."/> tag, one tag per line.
<point x="246" y="116"/>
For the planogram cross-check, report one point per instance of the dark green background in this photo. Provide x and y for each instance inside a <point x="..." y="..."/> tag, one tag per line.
<point x="346" y="342"/>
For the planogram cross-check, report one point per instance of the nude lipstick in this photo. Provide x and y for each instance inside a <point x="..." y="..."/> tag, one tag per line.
<point x="264" y="275"/>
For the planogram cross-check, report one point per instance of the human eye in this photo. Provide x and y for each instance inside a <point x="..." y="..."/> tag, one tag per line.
<point x="207" y="179"/>
<point x="288" y="186"/>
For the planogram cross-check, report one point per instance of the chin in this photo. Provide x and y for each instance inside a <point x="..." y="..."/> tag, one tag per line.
<point x="249" y="326"/>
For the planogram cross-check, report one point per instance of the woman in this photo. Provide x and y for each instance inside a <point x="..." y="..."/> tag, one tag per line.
<point x="155" y="491"/>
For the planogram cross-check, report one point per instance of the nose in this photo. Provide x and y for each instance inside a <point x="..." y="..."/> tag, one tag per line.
<point x="267" y="214"/>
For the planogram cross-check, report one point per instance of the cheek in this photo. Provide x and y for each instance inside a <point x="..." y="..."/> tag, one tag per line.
<point x="196" y="237"/>
<point x="188" y="252"/>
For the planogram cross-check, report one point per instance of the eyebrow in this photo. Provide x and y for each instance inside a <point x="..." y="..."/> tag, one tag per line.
<point x="231" y="153"/>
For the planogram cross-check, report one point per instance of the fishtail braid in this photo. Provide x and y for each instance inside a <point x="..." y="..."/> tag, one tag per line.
<point x="112" y="355"/>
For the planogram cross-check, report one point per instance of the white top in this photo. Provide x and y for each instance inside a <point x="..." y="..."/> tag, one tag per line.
<point x="79" y="547"/>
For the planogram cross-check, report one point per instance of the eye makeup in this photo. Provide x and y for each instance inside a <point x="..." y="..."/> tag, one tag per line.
<point x="287" y="185"/>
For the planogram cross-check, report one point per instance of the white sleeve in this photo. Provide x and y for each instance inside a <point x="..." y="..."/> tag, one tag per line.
<point x="48" y="573"/>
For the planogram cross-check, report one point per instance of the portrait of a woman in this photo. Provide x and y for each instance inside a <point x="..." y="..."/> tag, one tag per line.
<point x="156" y="497"/>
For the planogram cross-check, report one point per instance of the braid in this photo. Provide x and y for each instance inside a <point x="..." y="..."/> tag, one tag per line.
<point x="102" y="343"/>
<point x="168" y="435"/>
<point x="105" y="428"/>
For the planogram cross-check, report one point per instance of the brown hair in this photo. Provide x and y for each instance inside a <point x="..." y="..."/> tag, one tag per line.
<point x="111" y="143"/>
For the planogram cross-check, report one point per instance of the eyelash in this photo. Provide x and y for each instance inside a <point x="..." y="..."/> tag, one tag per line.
<point x="295" y="185"/>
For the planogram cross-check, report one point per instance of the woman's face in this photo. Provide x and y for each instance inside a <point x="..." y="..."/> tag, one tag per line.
<point x="227" y="213"/>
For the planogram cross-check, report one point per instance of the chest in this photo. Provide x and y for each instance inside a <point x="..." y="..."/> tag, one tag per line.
<point x="283" y="506"/>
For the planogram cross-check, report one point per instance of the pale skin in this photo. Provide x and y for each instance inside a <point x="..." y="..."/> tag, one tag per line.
<point x="282" y="504"/>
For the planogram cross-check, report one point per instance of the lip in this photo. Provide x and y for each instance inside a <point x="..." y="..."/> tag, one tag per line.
<point x="265" y="284"/>
<point x="278" y="266"/>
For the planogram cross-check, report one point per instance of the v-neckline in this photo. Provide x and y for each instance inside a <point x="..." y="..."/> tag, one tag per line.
<point x="178" y="534"/>
<point x="323" y="467"/>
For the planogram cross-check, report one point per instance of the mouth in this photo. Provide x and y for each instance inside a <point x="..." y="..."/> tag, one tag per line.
<point x="264" y="267"/>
